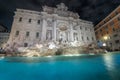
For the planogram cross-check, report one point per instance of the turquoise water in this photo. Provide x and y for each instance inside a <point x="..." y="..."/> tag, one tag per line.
<point x="94" y="67"/>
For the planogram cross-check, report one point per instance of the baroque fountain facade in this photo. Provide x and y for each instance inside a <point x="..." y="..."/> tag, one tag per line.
<point x="47" y="31"/>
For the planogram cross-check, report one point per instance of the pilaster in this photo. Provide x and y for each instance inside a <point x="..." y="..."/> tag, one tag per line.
<point x="71" y="32"/>
<point x="44" y="28"/>
<point x="54" y="29"/>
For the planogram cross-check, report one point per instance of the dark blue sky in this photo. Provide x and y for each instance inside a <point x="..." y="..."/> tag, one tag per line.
<point x="92" y="10"/>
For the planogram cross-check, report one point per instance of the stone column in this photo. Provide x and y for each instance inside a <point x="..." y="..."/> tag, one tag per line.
<point x="54" y="29"/>
<point x="57" y="35"/>
<point x="69" y="36"/>
<point x="44" y="28"/>
<point x="79" y="34"/>
<point x="71" y="32"/>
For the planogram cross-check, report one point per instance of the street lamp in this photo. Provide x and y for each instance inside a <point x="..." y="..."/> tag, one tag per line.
<point x="105" y="38"/>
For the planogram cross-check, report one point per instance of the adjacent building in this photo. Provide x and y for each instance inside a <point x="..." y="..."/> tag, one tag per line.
<point x="3" y="28"/>
<point x="114" y="41"/>
<point x="4" y="35"/>
<point x="52" y="24"/>
<point x="108" y="30"/>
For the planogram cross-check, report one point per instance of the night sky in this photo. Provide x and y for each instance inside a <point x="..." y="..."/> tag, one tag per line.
<point x="92" y="10"/>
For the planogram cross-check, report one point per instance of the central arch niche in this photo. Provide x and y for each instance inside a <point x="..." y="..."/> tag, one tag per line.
<point x="62" y="32"/>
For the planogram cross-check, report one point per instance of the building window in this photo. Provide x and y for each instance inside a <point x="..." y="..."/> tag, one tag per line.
<point x="118" y="18"/>
<point x="30" y="20"/>
<point x="111" y="44"/>
<point x="116" y="35"/>
<point x="117" y="41"/>
<point x="82" y="38"/>
<point x="88" y="38"/>
<point x="110" y="18"/>
<point x="112" y="23"/>
<point x="25" y="44"/>
<point x="80" y="27"/>
<point x="17" y="33"/>
<point x="113" y="29"/>
<point x="100" y="30"/>
<point x="27" y="34"/>
<point x="106" y="28"/>
<point x="20" y="19"/>
<point x="104" y="22"/>
<point x="38" y="22"/>
<point x="37" y="34"/>
<point x="116" y="12"/>
<point x="100" y="25"/>
<point x="92" y="38"/>
<point x="107" y="32"/>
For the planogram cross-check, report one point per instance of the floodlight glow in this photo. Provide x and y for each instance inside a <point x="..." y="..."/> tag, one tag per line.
<point x="52" y="46"/>
<point x="104" y="44"/>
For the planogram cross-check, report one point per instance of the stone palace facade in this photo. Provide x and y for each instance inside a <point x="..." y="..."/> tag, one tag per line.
<point x="52" y="24"/>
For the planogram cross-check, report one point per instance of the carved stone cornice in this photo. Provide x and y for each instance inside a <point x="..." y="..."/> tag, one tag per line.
<point x="61" y="10"/>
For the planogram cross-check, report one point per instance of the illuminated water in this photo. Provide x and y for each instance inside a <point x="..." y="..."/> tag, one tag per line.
<point x="94" y="67"/>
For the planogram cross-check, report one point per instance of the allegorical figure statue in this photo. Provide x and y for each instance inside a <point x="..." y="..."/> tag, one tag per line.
<point x="62" y="36"/>
<point x="48" y="36"/>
